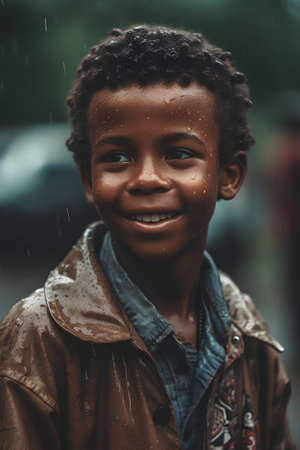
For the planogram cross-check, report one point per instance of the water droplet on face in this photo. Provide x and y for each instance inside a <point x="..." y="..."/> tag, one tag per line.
<point x="204" y="191"/>
<point x="189" y="129"/>
<point x="121" y="126"/>
<point x="194" y="193"/>
<point x="148" y="118"/>
<point x="189" y="113"/>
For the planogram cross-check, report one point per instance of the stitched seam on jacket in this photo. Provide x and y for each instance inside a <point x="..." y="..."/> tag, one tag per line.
<point x="29" y="384"/>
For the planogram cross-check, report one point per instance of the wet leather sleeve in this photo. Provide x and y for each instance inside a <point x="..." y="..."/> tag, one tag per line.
<point x="280" y="435"/>
<point x="27" y="421"/>
<point x="269" y="390"/>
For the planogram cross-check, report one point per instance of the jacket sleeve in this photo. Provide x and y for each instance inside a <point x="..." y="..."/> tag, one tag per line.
<point x="280" y="435"/>
<point x="27" y="418"/>
<point x="268" y="387"/>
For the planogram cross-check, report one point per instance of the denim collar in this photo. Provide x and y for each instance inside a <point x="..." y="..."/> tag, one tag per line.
<point x="152" y="326"/>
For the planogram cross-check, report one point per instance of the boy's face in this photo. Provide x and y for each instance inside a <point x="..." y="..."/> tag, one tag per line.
<point x="155" y="174"/>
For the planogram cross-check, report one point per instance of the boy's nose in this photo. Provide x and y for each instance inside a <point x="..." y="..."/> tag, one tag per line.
<point x="148" y="177"/>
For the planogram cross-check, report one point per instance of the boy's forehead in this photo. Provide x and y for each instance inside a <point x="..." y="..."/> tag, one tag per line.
<point x="151" y="98"/>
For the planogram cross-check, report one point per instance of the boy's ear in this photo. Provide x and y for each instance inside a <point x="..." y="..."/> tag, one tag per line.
<point x="86" y="180"/>
<point x="232" y="175"/>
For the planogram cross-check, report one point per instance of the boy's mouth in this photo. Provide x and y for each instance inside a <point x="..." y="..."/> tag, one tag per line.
<point x="153" y="218"/>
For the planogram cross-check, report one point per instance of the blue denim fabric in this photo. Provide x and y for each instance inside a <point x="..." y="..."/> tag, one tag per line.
<point x="187" y="372"/>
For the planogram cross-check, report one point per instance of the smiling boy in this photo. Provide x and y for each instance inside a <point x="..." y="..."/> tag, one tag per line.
<point x="137" y="341"/>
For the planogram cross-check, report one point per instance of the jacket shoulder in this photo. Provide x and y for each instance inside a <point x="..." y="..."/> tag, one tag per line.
<point x="244" y="313"/>
<point x="30" y="343"/>
<point x="28" y="316"/>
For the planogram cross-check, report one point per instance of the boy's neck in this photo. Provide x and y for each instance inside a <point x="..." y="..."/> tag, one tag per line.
<point x="171" y="285"/>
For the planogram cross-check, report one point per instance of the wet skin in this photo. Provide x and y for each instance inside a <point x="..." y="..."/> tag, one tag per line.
<point x="155" y="179"/>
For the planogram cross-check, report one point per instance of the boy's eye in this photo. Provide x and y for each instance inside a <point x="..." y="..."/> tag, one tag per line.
<point x="179" y="153"/>
<point x="115" y="157"/>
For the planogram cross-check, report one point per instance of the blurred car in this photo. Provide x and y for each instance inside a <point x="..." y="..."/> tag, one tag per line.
<point x="42" y="204"/>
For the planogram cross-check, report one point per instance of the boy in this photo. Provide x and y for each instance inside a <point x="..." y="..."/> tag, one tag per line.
<point x="136" y="341"/>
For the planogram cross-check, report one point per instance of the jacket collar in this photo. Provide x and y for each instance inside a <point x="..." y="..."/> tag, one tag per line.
<point x="81" y="300"/>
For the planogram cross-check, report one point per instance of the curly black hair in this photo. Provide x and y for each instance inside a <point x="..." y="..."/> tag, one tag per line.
<point x="145" y="54"/>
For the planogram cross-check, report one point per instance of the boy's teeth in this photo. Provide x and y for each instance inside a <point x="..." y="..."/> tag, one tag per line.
<point x="152" y="218"/>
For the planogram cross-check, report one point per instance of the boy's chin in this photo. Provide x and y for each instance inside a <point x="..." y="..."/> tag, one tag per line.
<point x="146" y="253"/>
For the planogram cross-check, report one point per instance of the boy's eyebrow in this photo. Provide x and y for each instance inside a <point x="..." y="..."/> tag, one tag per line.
<point x="172" y="137"/>
<point x="166" y="139"/>
<point x="119" y="140"/>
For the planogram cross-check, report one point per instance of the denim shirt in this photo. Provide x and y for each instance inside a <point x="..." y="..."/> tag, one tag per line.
<point x="187" y="372"/>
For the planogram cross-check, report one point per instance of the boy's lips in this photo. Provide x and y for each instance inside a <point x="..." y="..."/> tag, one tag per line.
<point x="153" y="217"/>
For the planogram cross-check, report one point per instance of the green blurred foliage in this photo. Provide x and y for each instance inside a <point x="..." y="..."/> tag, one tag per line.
<point x="42" y="42"/>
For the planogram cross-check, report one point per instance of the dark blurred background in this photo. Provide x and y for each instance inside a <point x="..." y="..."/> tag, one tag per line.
<point x="42" y="208"/>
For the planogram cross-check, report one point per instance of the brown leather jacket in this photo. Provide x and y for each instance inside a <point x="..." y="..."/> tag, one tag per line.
<point x="74" y="373"/>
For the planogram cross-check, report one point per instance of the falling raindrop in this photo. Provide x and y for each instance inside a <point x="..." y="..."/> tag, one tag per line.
<point x="45" y="24"/>
<point x="50" y="117"/>
<point x="28" y="252"/>
<point x="64" y="68"/>
<point x="26" y="60"/>
<point x="2" y="1"/>
<point x="68" y="215"/>
<point x="2" y="85"/>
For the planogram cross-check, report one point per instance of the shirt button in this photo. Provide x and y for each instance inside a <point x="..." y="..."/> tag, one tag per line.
<point x="162" y="415"/>
<point x="235" y="340"/>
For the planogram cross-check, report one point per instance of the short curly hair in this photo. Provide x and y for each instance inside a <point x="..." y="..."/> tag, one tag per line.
<point x="146" y="54"/>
